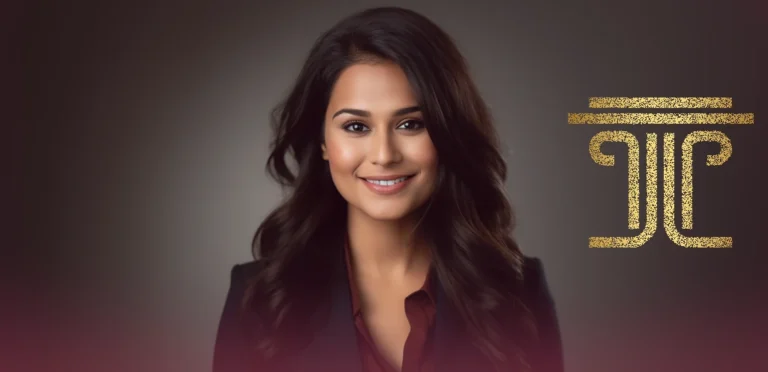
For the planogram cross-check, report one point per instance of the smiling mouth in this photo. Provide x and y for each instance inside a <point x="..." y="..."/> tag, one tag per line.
<point x="387" y="182"/>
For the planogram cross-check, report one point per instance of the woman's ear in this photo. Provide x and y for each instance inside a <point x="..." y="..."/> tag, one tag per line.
<point x="325" y="153"/>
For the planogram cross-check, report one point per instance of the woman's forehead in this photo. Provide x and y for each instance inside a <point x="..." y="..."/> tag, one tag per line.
<point x="379" y="88"/>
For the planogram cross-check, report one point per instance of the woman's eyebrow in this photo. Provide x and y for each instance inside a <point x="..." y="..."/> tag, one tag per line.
<point x="363" y="113"/>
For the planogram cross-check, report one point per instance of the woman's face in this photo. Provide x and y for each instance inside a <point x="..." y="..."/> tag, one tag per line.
<point x="381" y="158"/>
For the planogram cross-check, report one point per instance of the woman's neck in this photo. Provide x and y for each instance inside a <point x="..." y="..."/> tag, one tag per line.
<point x="386" y="249"/>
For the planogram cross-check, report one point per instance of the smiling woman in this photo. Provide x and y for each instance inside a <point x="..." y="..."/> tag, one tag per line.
<point x="393" y="251"/>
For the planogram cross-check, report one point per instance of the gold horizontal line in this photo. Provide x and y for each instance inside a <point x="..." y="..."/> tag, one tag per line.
<point x="660" y="102"/>
<point x="636" y="118"/>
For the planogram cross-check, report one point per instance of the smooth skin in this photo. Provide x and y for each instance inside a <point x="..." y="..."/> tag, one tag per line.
<point x="374" y="127"/>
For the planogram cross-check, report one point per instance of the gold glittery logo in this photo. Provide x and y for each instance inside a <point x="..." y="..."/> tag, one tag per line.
<point x="668" y="159"/>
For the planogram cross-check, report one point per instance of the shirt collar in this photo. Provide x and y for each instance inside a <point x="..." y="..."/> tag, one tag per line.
<point x="427" y="287"/>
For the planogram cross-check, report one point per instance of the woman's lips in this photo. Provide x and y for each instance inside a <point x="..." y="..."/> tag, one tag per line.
<point x="387" y="187"/>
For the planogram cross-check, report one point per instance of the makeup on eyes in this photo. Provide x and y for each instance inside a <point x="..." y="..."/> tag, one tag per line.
<point x="418" y="123"/>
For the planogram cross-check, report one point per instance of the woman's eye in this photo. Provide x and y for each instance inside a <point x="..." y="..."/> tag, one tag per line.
<point x="355" y="127"/>
<point x="411" y="125"/>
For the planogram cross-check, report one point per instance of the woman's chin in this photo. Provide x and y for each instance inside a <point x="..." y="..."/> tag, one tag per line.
<point x="391" y="212"/>
<point x="385" y="211"/>
<point x="386" y="215"/>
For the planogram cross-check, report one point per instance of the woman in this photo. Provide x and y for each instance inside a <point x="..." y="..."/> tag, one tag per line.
<point x="393" y="250"/>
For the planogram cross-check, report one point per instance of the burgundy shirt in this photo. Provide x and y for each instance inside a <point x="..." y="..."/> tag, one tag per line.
<point x="420" y="310"/>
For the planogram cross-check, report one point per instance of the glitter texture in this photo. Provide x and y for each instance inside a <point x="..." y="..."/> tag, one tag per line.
<point x="669" y="203"/>
<point x="686" y="187"/>
<point x="660" y="102"/>
<point x="636" y="118"/>
<point x="651" y="170"/>
<point x="633" y="173"/>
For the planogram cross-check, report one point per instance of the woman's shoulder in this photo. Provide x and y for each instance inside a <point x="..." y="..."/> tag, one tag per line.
<point x="548" y="356"/>
<point x="535" y="287"/>
<point x="246" y="270"/>
<point x="240" y="277"/>
<point x="231" y="351"/>
<point x="533" y="269"/>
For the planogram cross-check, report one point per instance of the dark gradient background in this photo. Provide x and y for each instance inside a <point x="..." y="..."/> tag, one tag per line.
<point x="139" y="161"/>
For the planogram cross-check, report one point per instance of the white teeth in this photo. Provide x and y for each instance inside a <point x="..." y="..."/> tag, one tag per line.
<point x="387" y="182"/>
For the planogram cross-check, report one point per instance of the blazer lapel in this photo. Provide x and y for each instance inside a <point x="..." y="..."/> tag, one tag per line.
<point x="453" y="350"/>
<point x="334" y="346"/>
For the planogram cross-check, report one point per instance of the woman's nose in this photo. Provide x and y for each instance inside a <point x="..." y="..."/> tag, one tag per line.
<point x="384" y="149"/>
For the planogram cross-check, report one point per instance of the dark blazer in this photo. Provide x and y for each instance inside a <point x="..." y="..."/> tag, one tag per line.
<point x="334" y="346"/>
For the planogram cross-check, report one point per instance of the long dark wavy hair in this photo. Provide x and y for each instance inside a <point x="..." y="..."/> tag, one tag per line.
<point x="469" y="221"/>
